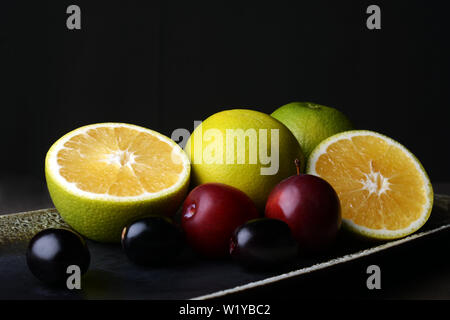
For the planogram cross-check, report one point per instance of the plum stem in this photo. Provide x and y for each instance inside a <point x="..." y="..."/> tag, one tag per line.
<point x="297" y="165"/>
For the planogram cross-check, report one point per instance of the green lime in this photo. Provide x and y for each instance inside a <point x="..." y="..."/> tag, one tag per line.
<point x="312" y="123"/>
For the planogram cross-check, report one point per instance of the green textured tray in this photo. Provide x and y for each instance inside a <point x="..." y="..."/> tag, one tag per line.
<point x="112" y="276"/>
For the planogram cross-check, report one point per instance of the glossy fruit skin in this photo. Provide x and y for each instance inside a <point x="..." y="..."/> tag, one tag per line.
<point x="152" y="240"/>
<point x="263" y="244"/>
<point x="211" y="213"/>
<point x="51" y="251"/>
<point x="311" y="208"/>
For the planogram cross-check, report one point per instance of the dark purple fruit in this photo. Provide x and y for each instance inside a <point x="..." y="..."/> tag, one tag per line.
<point x="152" y="241"/>
<point x="263" y="244"/>
<point x="51" y="251"/>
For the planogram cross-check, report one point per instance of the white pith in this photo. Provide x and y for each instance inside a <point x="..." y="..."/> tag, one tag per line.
<point x="120" y="157"/>
<point x="376" y="183"/>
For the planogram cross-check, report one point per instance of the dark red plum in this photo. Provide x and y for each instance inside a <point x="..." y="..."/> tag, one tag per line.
<point x="311" y="208"/>
<point x="211" y="213"/>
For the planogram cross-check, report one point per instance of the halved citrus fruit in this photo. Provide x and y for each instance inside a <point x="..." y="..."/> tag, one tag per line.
<point x="384" y="191"/>
<point x="102" y="176"/>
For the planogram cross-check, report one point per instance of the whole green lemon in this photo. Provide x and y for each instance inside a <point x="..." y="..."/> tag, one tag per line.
<point x="243" y="148"/>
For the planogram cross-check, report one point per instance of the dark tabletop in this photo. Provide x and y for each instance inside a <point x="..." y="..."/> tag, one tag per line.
<point x="417" y="271"/>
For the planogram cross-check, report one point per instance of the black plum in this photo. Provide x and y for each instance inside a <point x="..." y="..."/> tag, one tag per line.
<point x="152" y="241"/>
<point x="263" y="244"/>
<point x="51" y="251"/>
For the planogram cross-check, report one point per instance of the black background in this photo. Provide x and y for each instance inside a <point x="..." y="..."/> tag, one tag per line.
<point x="164" y="64"/>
